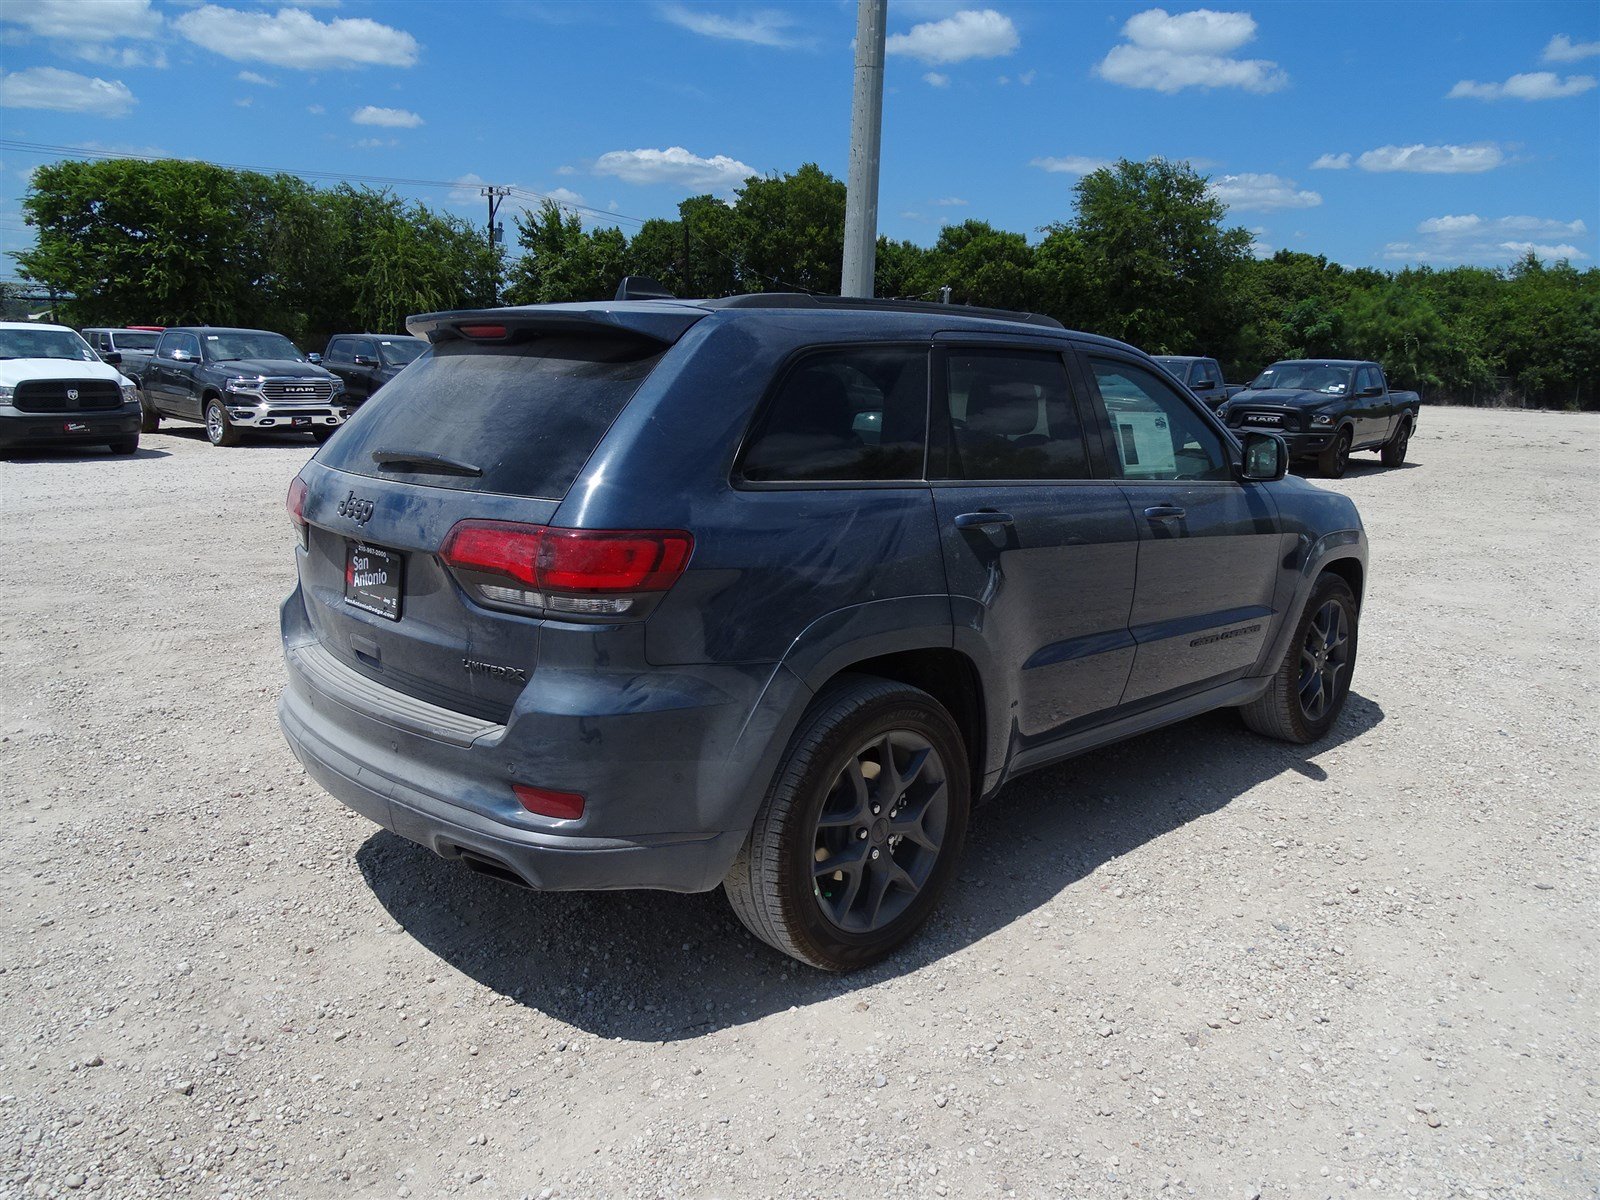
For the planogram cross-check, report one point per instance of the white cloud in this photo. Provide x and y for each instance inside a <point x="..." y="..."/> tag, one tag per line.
<point x="1535" y="85"/>
<point x="674" y="165"/>
<point x="1168" y="53"/>
<point x="934" y="79"/>
<point x="951" y="202"/>
<point x="1434" y="160"/>
<point x="1198" y="32"/>
<point x="388" y="118"/>
<point x="81" y="21"/>
<point x="294" y="38"/>
<point x="117" y="56"/>
<point x="1071" y="164"/>
<point x="316" y="110"/>
<point x="374" y="143"/>
<point x="1561" y="48"/>
<point x="1542" y="250"/>
<point x="973" y="33"/>
<point x="1332" y="162"/>
<point x="765" y="28"/>
<point x="65" y="91"/>
<point x="1469" y="237"/>
<point x="1249" y="192"/>
<point x="258" y="80"/>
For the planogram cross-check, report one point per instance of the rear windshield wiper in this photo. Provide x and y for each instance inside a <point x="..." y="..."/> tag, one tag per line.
<point x="423" y="463"/>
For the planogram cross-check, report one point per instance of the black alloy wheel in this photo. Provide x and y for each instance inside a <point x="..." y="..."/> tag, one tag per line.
<point x="878" y="836"/>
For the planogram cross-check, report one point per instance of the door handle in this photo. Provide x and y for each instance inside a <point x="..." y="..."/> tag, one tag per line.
<point x="980" y="520"/>
<point x="1164" y="512"/>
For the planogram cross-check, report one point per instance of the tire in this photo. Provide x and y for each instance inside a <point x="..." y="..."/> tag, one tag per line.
<point x="1394" y="450"/>
<point x="1331" y="463"/>
<point x="149" y="418"/>
<point x="219" y="430"/>
<point x="127" y="445"/>
<point x="825" y="801"/>
<point x="1288" y="710"/>
<point x="321" y="433"/>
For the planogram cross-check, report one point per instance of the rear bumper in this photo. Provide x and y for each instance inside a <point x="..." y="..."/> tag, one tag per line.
<point x="672" y="774"/>
<point x="539" y="859"/>
<point x="19" y="429"/>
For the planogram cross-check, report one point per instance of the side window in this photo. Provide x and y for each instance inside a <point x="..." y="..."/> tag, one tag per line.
<point x="850" y="414"/>
<point x="168" y="343"/>
<point x="189" y="344"/>
<point x="338" y="350"/>
<point x="1208" y="373"/>
<point x="1013" y="416"/>
<point x="364" y="348"/>
<point x="1156" y="432"/>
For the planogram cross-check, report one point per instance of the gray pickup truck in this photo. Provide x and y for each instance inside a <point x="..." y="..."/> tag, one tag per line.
<point x="1202" y="376"/>
<point x="1325" y="408"/>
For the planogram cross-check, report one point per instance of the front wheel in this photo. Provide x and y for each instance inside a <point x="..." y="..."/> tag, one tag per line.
<point x="1394" y="450"/>
<point x="1307" y="694"/>
<point x="1333" y="461"/>
<point x="861" y="829"/>
<point x="219" y="430"/>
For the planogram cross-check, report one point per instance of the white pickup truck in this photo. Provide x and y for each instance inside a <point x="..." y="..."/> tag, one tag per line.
<point x="55" y="390"/>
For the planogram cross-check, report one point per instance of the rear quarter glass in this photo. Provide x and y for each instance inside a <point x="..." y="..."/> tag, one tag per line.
<point x="527" y="414"/>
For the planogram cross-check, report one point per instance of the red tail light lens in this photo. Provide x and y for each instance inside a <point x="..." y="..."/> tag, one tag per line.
<point x="295" y="503"/>
<point x="563" y="806"/>
<point x="482" y="332"/>
<point x="582" y="572"/>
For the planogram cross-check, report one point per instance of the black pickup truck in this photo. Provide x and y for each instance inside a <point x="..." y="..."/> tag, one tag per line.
<point x="1325" y="408"/>
<point x="1202" y="376"/>
<point x="236" y="380"/>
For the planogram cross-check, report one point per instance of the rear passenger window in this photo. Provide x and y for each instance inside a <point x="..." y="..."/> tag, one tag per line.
<point x="1012" y="416"/>
<point x="844" y="415"/>
<point x="1158" y="435"/>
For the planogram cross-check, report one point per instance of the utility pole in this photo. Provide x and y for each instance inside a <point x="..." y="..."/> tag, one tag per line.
<point x="495" y="196"/>
<point x="866" y="143"/>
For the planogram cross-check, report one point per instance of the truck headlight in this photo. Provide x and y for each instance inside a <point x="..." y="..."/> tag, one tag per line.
<point x="247" y="383"/>
<point x="1321" y="419"/>
<point x="130" y="393"/>
<point x="7" y="394"/>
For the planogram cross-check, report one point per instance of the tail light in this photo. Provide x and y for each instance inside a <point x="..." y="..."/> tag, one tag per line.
<point x="562" y="572"/>
<point x="295" y="503"/>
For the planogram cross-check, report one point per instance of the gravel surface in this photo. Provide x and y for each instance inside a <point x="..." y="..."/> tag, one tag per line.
<point x="1198" y="963"/>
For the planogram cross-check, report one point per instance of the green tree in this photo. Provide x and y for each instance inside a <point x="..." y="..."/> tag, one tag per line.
<point x="789" y="232"/>
<point x="1148" y="260"/>
<point x="562" y="262"/>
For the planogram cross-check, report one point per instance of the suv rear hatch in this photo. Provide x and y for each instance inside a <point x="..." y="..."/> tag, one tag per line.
<point x="493" y="424"/>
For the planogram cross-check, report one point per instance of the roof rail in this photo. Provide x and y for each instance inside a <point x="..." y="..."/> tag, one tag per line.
<point x="864" y="304"/>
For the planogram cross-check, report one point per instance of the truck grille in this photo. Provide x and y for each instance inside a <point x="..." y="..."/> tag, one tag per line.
<point x="66" y="395"/>
<point x="1275" y="419"/>
<point x="298" y="391"/>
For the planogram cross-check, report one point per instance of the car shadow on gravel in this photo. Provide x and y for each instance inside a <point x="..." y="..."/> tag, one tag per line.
<point x="653" y="966"/>
<point x="1358" y="468"/>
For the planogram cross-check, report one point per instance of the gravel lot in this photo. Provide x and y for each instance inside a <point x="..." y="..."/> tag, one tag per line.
<point x="1198" y="963"/>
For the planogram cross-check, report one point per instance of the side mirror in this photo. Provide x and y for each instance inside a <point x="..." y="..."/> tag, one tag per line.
<point x="111" y="357"/>
<point x="182" y="356"/>
<point x="364" y="360"/>
<point x="314" y="359"/>
<point x="1372" y="390"/>
<point x="1265" y="458"/>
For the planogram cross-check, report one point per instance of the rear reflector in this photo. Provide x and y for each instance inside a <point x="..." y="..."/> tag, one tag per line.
<point x="543" y="802"/>
<point x="584" y="572"/>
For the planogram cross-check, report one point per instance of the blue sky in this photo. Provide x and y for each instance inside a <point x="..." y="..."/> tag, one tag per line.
<point x="1375" y="133"/>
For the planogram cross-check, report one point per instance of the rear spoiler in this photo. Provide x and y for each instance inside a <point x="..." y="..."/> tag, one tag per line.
<point x="657" y="322"/>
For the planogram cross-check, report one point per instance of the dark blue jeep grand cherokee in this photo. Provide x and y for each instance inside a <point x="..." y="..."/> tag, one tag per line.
<point x="768" y="591"/>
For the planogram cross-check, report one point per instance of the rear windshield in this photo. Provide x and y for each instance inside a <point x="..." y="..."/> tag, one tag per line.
<point x="525" y="417"/>
<point x="134" y="340"/>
